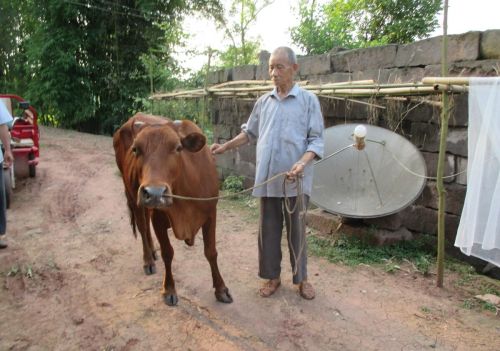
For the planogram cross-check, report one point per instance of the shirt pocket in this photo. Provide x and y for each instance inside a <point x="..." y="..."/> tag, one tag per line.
<point x="295" y="126"/>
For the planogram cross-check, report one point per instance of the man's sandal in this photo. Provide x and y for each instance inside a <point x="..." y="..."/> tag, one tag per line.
<point x="306" y="290"/>
<point x="269" y="287"/>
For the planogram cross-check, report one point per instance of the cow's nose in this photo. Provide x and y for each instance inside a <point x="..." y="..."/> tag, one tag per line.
<point x="154" y="196"/>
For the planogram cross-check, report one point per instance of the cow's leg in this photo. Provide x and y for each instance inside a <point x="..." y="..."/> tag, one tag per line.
<point x="161" y="225"/>
<point x="142" y="220"/>
<point x="221" y="291"/>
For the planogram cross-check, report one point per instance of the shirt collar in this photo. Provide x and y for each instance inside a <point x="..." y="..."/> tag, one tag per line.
<point x="293" y="92"/>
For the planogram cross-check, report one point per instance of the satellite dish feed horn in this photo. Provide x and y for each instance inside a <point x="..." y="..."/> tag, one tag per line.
<point x="371" y="172"/>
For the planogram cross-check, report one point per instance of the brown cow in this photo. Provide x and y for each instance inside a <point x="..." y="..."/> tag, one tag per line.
<point x="158" y="158"/>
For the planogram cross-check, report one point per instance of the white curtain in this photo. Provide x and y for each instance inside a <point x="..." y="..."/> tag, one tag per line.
<point x="479" y="230"/>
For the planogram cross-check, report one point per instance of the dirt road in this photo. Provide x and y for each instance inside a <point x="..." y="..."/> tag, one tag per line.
<point x="72" y="279"/>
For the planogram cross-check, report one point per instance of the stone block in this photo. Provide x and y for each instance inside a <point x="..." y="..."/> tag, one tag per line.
<point x="262" y="72"/>
<point x="431" y="162"/>
<point x="423" y="113"/>
<point x="264" y="57"/>
<point x="246" y="153"/>
<point x="388" y="237"/>
<point x="425" y="136"/>
<point x="419" y="219"/>
<point x="225" y="162"/>
<point x="226" y="75"/>
<point x="461" y="47"/>
<point x="324" y="222"/>
<point x="391" y="222"/>
<point x="459" y="116"/>
<point x="213" y="77"/>
<point x="311" y="65"/>
<point x="455" y="196"/>
<point x="349" y="111"/>
<point x="490" y="44"/>
<point x="246" y="72"/>
<point x="246" y="169"/>
<point x="424" y="220"/>
<point x="406" y="75"/>
<point x="432" y="70"/>
<point x="222" y="132"/>
<point x="336" y="77"/>
<point x="364" y="59"/>
<point x="456" y="143"/>
<point x="482" y="68"/>
<point x="451" y="223"/>
<point x="382" y="75"/>
<point x="461" y="169"/>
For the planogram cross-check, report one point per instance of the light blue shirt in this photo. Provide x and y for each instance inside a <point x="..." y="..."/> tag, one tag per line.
<point x="5" y="118"/>
<point x="284" y="129"/>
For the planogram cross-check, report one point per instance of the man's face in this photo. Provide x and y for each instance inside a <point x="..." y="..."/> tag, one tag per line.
<point x="281" y="70"/>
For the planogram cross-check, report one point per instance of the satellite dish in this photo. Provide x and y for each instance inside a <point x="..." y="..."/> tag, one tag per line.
<point x="367" y="172"/>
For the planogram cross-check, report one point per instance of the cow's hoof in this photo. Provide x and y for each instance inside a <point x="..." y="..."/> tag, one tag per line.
<point x="224" y="296"/>
<point x="170" y="299"/>
<point x="149" y="269"/>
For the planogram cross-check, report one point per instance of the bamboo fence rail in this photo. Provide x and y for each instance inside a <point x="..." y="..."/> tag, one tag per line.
<point x="360" y="89"/>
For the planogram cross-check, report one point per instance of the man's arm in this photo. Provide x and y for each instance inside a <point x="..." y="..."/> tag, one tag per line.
<point x="5" y="138"/>
<point x="240" y="139"/>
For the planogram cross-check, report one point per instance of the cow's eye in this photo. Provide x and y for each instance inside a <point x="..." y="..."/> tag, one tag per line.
<point x="179" y="148"/>
<point x="135" y="150"/>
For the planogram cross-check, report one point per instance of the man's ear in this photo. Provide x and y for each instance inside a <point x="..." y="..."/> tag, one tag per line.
<point x="295" y="67"/>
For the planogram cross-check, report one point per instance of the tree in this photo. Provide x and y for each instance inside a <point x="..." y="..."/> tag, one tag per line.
<point x="362" y="23"/>
<point x="15" y="32"/>
<point x="242" y="50"/>
<point x="88" y="64"/>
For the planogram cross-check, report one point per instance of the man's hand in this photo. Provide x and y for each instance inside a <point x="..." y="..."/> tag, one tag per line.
<point x="296" y="170"/>
<point x="8" y="158"/>
<point x="217" y="149"/>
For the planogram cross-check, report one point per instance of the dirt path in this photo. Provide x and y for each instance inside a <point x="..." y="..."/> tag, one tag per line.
<point x="72" y="279"/>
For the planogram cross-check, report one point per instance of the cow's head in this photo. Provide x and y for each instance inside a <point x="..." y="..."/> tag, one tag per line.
<point x="157" y="151"/>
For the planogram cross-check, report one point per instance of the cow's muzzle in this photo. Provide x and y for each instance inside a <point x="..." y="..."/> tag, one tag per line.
<point x="155" y="196"/>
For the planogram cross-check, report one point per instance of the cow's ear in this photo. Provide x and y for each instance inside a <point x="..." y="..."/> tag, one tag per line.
<point x="137" y="127"/>
<point x="194" y="142"/>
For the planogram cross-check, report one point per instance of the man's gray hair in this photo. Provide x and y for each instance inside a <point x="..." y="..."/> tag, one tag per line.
<point x="292" y="58"/>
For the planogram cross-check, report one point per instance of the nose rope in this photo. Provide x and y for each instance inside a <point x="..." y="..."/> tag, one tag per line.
<point x="301" y="219"/>
<point x="229" y="195"/>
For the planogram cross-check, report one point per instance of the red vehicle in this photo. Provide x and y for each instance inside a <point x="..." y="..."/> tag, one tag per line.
<point x="25" y="141"/>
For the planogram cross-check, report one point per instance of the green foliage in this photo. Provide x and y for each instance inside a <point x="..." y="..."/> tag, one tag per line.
<point x="88" y="65"/>
<point x="233" y="183"/>
<point x="236" y="24"/>
<point x="363" y="23"/>
<point x="25" y="270"/>
<point x="354" y="251"/>
<point x="240" y="55"/>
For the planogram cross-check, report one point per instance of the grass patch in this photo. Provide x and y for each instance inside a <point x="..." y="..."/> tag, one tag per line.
<point x="18" y="270"/>
<point x="353" y="251"/>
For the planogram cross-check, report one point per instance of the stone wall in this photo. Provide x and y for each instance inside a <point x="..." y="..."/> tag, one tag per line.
<point x="470" y="54"/>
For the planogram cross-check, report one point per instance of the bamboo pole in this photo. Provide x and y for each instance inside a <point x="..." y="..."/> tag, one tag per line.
<point x="446" y="80"/>
<point x="361" y="89"/>
<point x="445" y="114"/>
<point x="353" y="101"/>
<point x="415" y="100"/>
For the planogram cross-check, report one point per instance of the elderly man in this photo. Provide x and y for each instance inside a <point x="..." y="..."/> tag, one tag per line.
<point x="6" y="158"/>
<point x="288" y="126"/>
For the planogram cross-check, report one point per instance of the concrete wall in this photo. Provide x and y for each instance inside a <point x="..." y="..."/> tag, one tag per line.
<point x="470" y="54"/>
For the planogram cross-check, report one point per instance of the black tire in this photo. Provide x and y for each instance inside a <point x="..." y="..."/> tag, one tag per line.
<point x="7" y="181"/>
<point x="32" y="168"/>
